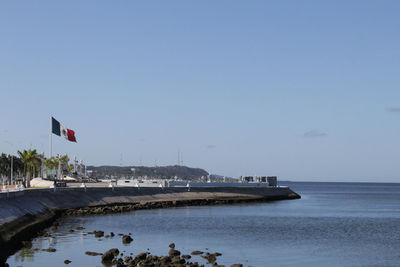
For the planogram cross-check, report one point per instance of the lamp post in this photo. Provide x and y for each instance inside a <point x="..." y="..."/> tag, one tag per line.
<point x="11" y="174"/>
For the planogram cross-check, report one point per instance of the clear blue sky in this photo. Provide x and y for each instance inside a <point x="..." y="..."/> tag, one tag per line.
<point x="306" y="90"/>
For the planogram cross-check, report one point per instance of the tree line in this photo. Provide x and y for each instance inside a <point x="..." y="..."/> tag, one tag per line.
<point x="29" y="163"/>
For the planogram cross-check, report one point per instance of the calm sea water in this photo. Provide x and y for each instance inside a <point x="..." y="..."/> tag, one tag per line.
<point x="334" y="224"/>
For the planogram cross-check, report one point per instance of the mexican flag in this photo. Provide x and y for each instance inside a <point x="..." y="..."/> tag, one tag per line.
<point x="61" y="130"/>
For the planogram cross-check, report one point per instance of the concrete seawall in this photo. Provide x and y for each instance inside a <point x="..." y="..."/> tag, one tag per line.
<point x="23" y="214"/>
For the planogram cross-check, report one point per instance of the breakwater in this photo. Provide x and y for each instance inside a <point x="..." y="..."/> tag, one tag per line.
<point x="22" y="215"/>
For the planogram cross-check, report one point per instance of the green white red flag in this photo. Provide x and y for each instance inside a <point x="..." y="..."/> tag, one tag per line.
<point x="58" y="129"/>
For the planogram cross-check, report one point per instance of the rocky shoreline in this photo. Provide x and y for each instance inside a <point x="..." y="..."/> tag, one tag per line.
<point x="123" y="207"/>
<point x="113" y="256"/>
<point x="145" y="259"/>
<point x="13" y="235"/>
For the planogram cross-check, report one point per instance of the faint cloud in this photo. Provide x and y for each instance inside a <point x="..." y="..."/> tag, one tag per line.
<point x="211" y="146"/>
<point x="314" y="134"/>
<point x="393" y="109"/>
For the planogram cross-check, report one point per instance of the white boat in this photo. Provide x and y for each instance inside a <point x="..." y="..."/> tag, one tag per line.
<point x="142" y="183"/>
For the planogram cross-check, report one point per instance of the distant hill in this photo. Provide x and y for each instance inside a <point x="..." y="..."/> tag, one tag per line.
<point x="164" y="172"/>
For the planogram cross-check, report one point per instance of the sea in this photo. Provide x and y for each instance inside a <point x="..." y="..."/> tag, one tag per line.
<point x="333" y="224"/>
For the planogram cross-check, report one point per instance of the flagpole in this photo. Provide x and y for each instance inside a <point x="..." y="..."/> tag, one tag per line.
<point x="51" y="141"/>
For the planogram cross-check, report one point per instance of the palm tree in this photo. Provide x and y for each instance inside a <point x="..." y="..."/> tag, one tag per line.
<point x="4" y="165"/>
<point x="29" y="159"/>
<point x="53" y="162"/>
<point x="70" y="167"/>
<point x="49" y="163"/>
<point x="64" y="161"/>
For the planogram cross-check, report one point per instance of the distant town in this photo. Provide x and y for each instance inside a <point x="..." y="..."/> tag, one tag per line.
<point x="31" y="169"/>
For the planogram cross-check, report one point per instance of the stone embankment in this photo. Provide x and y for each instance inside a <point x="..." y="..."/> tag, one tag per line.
<point x="24" y="214"/>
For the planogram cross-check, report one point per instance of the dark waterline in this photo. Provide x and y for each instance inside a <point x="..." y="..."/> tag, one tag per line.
<point x="334" y="224"/>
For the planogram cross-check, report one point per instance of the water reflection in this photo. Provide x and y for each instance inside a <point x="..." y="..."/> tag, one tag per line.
<point x="25" y="254"/>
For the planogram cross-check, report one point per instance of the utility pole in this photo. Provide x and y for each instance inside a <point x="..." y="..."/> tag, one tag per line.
<point x="59" y="170"/>
<point x="42" y="166"/>
<point x="75" y="163"/>
<point x="182" y="159"/>
<point x="51" y="137"/>
<point x="12" y="161"/>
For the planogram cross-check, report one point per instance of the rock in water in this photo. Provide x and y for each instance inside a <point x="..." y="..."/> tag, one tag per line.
<point x="173" y="252"/>
<point x="115" y="251"/>
<point x="141" y="256"/>
<point x="210" y="258"/>
<point x="126" y="239"/>
<point x="49" y="249"/>
<point x="128" y="260"/>
<point x="197" y="252"/>
<point x="98" y="233"/>
<point x="109" y="255"/>
<point x="120" y="263"/>
<point x="176" y="260"/>
<point x="67" y="261"/>
<point x="237" y="265"/>
<point x="165" y="260"/>
<point x="90" y="253"/>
